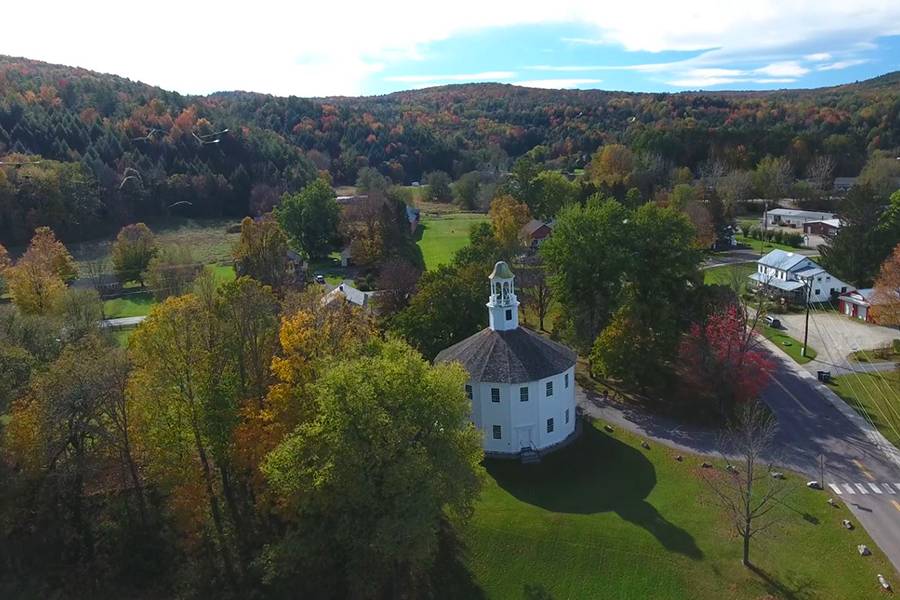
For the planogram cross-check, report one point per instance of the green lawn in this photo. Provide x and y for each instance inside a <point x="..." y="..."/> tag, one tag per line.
<point x="137" y="303"/>
<point x="607" y="519"/>
<point x="223" y="273"/>
<point x="763" y="247"/>
<point x="442" y="236"/>
<point x="729" y="274"/>
<point x="134" y="304"/>
<point x="875" y="395"/>
<point x="789" y="345"/>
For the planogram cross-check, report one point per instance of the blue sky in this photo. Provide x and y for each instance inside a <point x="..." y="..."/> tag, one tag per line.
<point x="361" y="47"/>
<point x="565" y="56"/>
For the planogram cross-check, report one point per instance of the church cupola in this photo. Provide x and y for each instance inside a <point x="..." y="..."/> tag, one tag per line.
<point x="503" y="306"/>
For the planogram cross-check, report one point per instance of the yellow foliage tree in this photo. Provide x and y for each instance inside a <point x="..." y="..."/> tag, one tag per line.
<point x="611" y="165"/>
<point x="508" y="216"/>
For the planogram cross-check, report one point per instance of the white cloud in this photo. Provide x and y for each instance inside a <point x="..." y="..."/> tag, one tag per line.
<point x="841" y="64"/>
<point x="790" y="68"/>
<point x="483" y="76"/>
<point x="817" y="56"/>
<point x="557" y="84"/>
<point x="312" y="48"/>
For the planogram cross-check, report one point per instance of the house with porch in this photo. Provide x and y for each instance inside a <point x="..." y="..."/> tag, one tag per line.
<point x="795" y="278"/>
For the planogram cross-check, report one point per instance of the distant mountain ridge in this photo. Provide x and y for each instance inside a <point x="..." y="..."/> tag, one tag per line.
<point x="106" y="123"/>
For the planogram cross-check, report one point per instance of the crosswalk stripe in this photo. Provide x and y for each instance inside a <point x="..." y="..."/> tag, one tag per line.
<point x="849" y="488"/>
<point x="875" y="488"/>
<point x="836" y="489"/>
<point x="861" y="488"/>
<point x="888" y="488"/>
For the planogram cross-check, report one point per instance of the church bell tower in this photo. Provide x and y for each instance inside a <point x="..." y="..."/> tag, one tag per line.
<point x="503" y="306"/>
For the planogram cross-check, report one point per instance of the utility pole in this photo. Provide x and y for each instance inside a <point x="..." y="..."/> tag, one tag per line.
<point x="806" y="328"/>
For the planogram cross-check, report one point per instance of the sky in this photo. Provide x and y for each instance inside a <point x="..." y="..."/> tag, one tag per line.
<point x="352" y="47"/>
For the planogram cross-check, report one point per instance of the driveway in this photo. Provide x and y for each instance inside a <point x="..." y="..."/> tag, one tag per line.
<point x="834" y="336"/>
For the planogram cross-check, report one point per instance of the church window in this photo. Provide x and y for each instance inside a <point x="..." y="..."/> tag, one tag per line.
<point x="495" y="394"/>
<point x="523" y="394"/>
<point x="469" y="392"/>
<point x="549" y="425"/>
<point x="567" y="415"/>
<point x="498" y="432"/>
<point x="508" y="314"/>
<point x="566" y="379"/>
<point x="549" y="388"/>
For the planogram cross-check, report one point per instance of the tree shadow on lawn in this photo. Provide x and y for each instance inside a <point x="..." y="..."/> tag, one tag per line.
<point x="597" y="473"/>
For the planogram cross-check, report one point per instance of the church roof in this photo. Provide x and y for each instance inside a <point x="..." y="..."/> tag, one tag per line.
<point x="515" y="356"/>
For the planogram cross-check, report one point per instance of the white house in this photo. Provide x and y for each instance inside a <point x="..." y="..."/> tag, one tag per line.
<point x="796" y="278"/>
<point x="521" y="384"/>
<point x="788" y="217"/>
<point x="346" y="291"/>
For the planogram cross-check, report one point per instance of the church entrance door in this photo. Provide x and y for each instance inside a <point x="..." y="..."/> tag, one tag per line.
<point x="524" y="437"/>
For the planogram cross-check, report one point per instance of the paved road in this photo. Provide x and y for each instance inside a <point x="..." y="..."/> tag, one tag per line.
<point x="866" y="472"/>
<point x="812" y="422"/>
<point x="122" y="322"/>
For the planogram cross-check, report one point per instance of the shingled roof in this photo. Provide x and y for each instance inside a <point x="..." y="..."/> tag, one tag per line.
<point x="515" y="356"/>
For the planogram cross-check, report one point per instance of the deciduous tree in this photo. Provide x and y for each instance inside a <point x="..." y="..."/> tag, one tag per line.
<point x="172" y="272"/>
<point x="886" y="297"/>
<point x="261" y="252"/>
<point x="310" y="218"/>
<point x="721" y="362"/>
<point x="134" y="248"/>
<point x="747" y="492"/>
<point x="385" y="456"/>
<point x="507" y="219"/>
<point x="438" y="183"/>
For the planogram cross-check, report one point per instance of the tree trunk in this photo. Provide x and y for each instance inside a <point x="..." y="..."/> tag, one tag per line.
<point x="746" y="559"/>
<point x="216" y="511"/>
<point x="236" y="518"/>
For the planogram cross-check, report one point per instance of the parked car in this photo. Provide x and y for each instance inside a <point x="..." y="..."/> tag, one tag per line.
<point x="773" y="322"/>
<point x="320" y="278"/>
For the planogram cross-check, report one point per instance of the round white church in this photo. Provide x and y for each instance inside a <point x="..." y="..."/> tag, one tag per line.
<point x="521" y="384"/>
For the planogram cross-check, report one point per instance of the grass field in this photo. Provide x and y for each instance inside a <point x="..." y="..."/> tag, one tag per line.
<point x="137" y="303"/>
<point x="607" y="519"/>
<point x="763" y="247"/>
<point x="207" y="238"/>
<point x="729" y="274"/>
<point x="875" y="397"/>
<point x="442" y="236"/>
<point x="134" y="304"/>
<point x="788" y="345"/>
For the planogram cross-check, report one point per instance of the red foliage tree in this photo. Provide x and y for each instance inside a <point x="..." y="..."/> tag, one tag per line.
<point x="722" y="365"/>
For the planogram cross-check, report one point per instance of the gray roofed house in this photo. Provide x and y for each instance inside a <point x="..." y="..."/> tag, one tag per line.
<point x="796" y="278"/>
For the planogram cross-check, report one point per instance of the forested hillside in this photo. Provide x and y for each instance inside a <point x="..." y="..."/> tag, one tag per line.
<point x="90" y="129"/>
